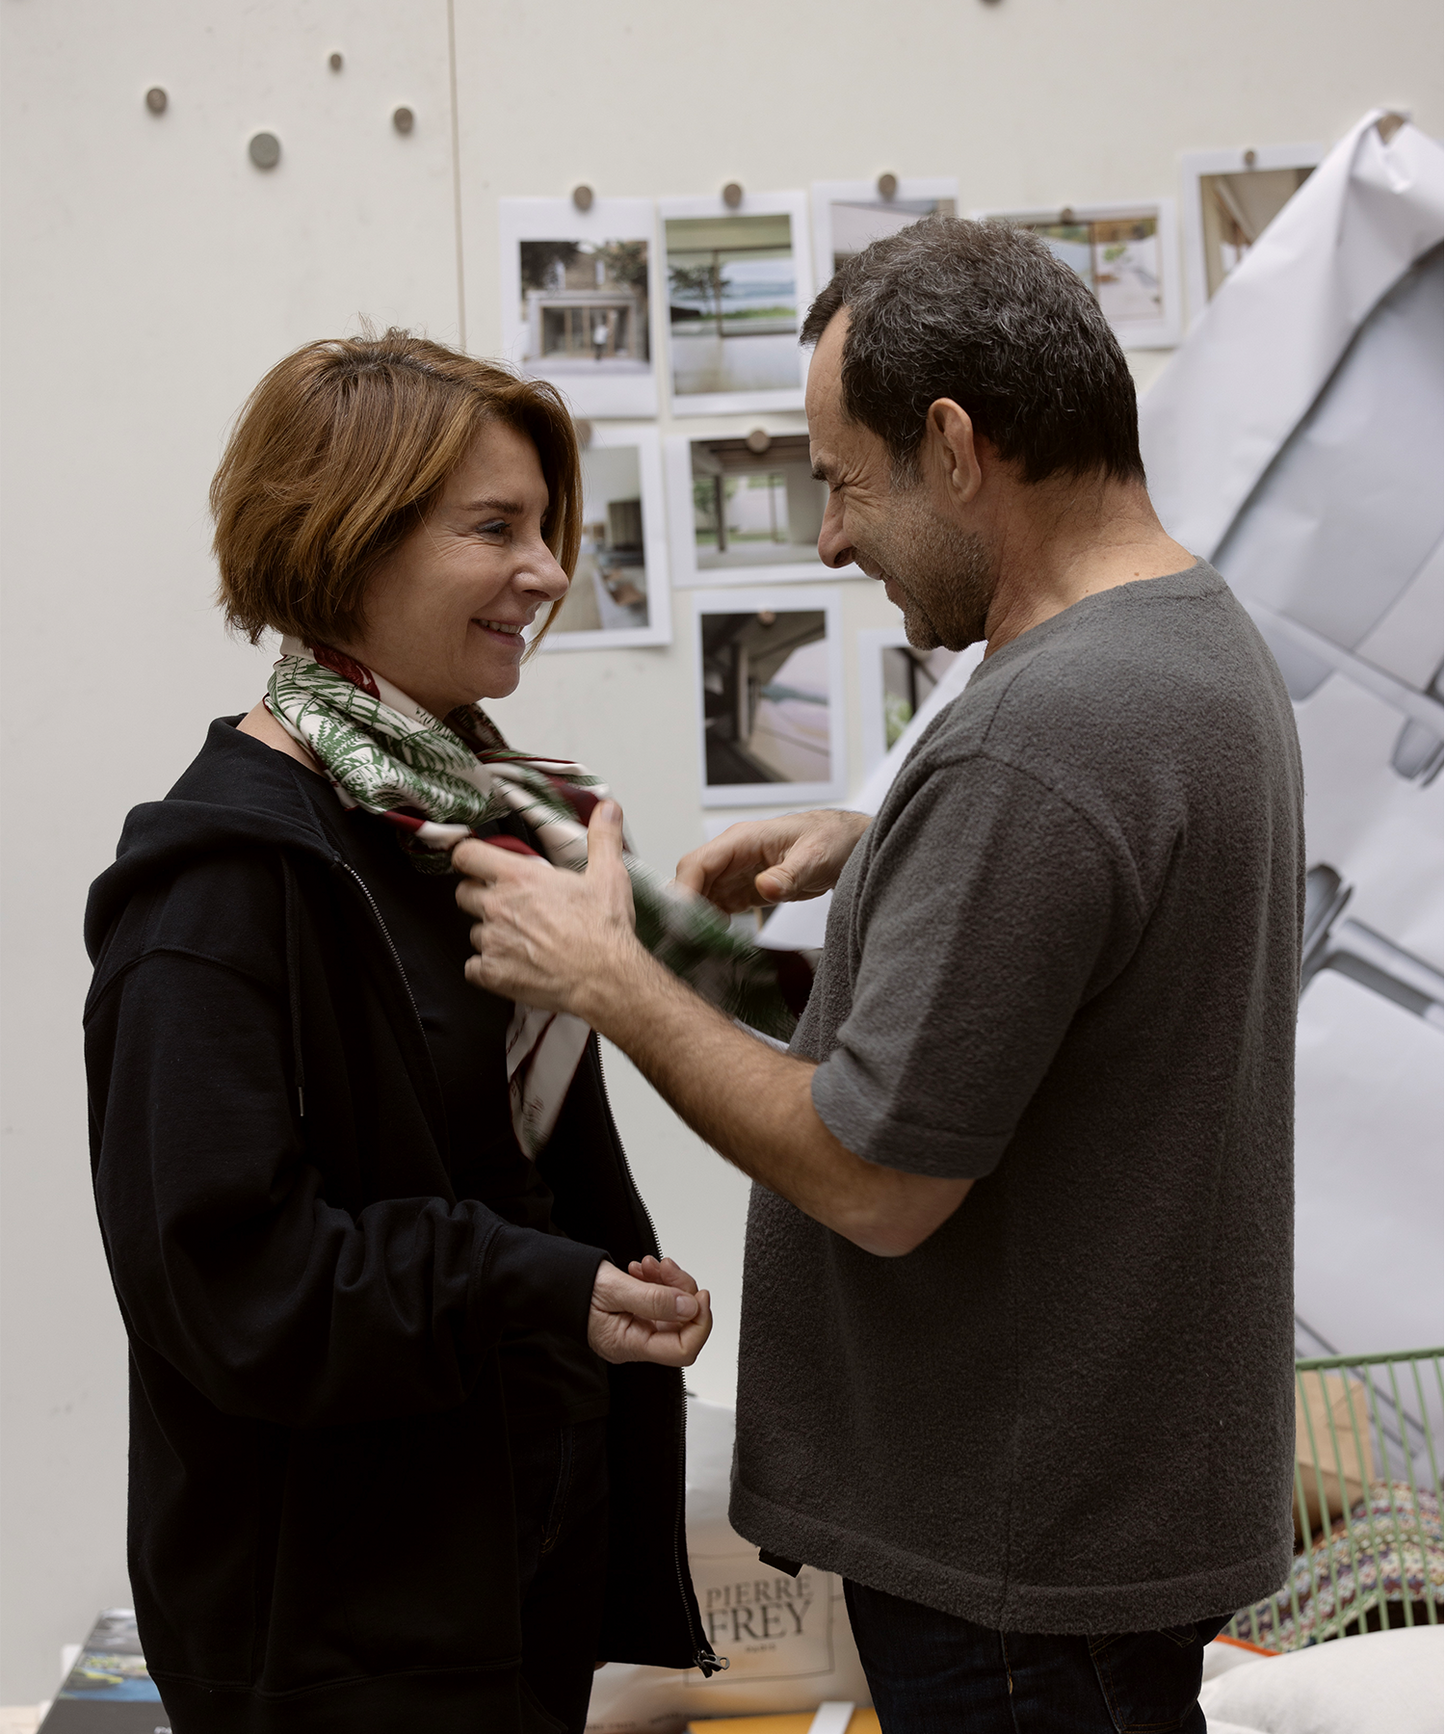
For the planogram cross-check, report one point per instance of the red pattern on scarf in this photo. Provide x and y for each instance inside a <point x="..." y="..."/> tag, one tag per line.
<point x="346" y="668"/>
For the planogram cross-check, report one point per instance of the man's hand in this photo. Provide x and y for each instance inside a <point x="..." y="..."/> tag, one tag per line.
<point x="767" y="861"/>
<point x="544" y="935"/>
<point x="653" y="1312"/>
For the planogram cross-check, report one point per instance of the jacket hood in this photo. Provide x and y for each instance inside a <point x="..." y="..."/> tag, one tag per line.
<point x="237" y="792"/>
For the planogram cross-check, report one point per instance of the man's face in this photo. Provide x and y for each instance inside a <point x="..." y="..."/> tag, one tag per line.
<point x="934" y="568"/>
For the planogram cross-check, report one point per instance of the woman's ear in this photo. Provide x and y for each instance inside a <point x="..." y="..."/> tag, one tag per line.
<point x="953" y="450"/>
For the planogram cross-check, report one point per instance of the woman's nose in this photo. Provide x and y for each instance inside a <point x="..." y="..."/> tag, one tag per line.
<point x="543" y="576"/>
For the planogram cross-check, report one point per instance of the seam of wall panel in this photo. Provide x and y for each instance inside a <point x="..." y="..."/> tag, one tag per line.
<point x="456" y="173"/>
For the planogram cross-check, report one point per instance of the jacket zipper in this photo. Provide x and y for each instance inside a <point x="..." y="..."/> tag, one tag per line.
<point x="346" y="867"/>
<point x="706" y="1658"/>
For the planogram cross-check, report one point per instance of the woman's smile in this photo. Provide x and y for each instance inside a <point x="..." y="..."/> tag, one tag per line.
<point x="507" y="633"/>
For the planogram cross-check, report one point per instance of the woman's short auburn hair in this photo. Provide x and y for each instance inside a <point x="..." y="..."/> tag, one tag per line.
<point x="341" y="450"/>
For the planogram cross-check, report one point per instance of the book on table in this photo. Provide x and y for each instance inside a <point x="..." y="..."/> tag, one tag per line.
<point x="108" y="1690"/>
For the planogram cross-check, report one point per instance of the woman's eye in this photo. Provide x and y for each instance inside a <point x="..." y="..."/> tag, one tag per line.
<point x="496" y="528"/>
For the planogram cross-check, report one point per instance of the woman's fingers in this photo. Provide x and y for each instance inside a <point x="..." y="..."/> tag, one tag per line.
<point x="666" y="1270"/>
<point x="634" y="1319"/>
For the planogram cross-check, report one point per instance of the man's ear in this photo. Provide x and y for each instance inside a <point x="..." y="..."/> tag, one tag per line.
<point x="952" y="448"/>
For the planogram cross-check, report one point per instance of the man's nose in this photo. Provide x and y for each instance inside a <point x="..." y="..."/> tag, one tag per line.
<point x="834" y="548"/>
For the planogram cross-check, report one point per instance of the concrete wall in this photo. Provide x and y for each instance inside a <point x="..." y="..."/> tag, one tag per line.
<point x="152" y="275"/>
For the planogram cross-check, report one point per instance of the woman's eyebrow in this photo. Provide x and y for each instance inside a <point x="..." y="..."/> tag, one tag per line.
<point x="507" y="508"/>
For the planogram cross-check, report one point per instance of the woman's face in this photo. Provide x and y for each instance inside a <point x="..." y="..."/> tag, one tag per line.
<point x="445" y="610"/>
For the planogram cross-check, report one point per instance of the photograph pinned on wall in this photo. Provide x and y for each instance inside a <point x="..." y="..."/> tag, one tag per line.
<point x="737" y="283"/>
<point x="1230" y="198"/>
<point x="1129" y="257"/>
<point x="849" y="215"/>
<point x="578" y="289"/>
<point x="895" y="681"/>
<point x="770" y="680"/>
<point x="619" y="592"/>
<point x="744" y="509"/>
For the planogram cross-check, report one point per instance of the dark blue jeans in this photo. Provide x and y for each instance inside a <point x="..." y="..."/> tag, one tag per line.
<point x="559" y="1478"/>
<point x="933" y="1673"/>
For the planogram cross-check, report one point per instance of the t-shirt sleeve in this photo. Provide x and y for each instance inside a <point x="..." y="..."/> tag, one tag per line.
<point x="987" y="913"/>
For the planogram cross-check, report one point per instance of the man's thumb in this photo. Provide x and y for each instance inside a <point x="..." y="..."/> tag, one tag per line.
<point x="604" y="833"/>
<point x="775" y="884"/>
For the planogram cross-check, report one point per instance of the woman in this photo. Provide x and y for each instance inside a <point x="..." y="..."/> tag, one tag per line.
<point x="406" y="1409"/>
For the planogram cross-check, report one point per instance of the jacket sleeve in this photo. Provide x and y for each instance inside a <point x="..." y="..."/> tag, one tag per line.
<point x="227" y="1259"/>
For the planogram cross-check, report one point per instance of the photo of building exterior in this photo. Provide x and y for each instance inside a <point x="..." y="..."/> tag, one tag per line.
<point x="585" y="307"/>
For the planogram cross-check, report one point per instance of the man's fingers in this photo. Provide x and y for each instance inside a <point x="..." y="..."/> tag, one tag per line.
<point x="490" y="864"/>
<point x="692" y="874"/>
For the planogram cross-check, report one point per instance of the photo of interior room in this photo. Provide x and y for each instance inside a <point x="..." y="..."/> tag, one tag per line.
<point x="619" y="591"/>
<point x="1128" y="256"/>
<point x="909" y="676"/>
<point x="756" y="503"/>
<point x="849" y="215"/>
<point x="609" y="587"/>
<point x="766" y="698"/>
<point x="732" y="303"/>
<point x="1234" y="211"/>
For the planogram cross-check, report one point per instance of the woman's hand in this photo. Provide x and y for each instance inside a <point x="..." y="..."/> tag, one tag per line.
<point x="767" y="861"/>
<point x="653" y="1311"/>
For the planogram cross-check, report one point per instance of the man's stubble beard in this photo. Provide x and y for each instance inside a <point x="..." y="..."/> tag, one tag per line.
<point x="946" y="575"/>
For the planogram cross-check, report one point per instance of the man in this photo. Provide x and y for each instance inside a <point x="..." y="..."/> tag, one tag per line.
<point x="1017" y="1326"/>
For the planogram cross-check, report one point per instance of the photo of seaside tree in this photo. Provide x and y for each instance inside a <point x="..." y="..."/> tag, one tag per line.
<point x="732" y="303"/>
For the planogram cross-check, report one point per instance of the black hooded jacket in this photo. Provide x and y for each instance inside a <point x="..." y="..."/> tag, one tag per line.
<point x="321" y="1523"/>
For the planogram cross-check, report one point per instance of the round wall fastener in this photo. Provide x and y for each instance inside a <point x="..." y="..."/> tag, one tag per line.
<point x="583" y="430"/>
<point x="403" y="119"/>
<point x="732" y="195"/>
<point x="335" y="62"/>
<point x="1067" y="214"/>
<point x="758" y="441"/>
<point x="1250" y="159"/>
<point x="156" y="99"/>
<point x="582" y="197"/>
<point x="265" y="150"/>
<point x="887" y="186"/>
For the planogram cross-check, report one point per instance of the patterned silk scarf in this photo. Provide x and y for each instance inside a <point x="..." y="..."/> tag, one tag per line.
<point x="437" y="781"/>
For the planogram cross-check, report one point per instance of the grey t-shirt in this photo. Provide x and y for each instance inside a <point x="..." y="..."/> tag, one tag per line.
<point x="1063" y="959"/>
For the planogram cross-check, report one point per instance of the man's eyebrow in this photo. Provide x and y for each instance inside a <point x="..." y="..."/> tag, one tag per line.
<point x="822" y="470"/>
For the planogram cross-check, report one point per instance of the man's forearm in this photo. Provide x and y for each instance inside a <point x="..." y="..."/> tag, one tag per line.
<point x="755" y="1107"/>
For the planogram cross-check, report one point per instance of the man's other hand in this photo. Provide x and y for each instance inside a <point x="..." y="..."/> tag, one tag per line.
<point x="765" y="861"/>
<point x="653" y="1311"/>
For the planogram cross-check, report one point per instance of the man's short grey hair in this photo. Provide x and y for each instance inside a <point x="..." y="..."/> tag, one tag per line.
<point x="982" y="313"/>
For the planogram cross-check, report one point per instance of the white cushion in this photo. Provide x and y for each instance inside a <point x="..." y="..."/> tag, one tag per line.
<point x="1382" y="1683"/>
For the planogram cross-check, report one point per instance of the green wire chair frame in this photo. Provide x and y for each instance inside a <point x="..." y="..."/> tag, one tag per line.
<point x="1246" y="1624"/>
